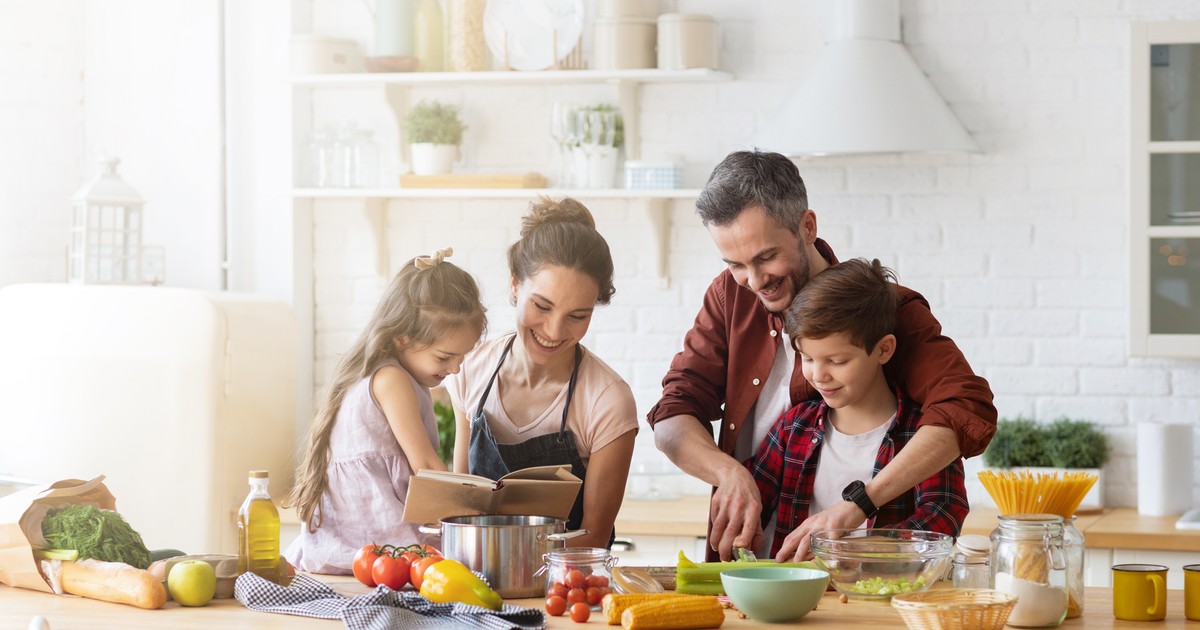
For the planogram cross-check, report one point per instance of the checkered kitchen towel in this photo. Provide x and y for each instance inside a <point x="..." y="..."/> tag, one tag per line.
<point x="382" y="609"/>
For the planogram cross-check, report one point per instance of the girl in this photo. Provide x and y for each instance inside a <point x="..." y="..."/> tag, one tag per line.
<point x="376" y="426"/>
<point x="537" y="396"/>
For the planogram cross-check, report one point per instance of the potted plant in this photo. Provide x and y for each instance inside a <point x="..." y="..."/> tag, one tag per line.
<point x="434" y="132"/>
<point x="1062" y="445"/>
<point x="600" y="134"/>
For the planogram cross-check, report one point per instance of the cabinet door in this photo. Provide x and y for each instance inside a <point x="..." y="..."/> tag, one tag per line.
<point x="1165" y="190"/>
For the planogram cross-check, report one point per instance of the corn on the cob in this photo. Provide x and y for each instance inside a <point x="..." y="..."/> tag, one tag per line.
<point x="681" y="613"/>
<point x="614" y="604"/>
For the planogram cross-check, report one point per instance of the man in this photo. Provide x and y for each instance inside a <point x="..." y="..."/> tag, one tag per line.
<point x="737" y="368"/>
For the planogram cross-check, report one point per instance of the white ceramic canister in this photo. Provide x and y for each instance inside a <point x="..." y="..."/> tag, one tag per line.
<point x="686" y="40"/>
<point x="627" y="8"/>
<point x="624" y="43"/>
<point x="311" y="54"/>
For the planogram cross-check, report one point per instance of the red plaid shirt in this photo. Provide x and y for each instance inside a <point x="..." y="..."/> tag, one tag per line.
<point x="785" y="467"/>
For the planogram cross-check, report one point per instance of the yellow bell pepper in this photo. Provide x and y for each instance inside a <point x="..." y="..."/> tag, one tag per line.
<point x="451" y="581"/>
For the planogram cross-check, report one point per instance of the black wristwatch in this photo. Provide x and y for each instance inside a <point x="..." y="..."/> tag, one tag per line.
<point x="857" y="492"/>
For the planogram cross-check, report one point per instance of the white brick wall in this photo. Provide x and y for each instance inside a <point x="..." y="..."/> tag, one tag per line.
<point x="1021" y="249"/>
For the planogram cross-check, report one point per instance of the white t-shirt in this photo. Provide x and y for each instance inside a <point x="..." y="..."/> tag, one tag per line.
<point x="602" y="408"/>
<point x="844" y="458"/>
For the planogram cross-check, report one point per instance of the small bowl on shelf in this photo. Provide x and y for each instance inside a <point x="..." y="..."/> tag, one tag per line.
<point x="879" y="563"/>
<point x="774" y="594"/>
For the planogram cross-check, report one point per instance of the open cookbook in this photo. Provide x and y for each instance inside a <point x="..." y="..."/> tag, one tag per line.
<point x="541" y="490"/>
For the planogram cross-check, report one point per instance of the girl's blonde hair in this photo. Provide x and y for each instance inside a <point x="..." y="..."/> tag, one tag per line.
<point x="428" y="299"/>
<point x="562" y="234"/>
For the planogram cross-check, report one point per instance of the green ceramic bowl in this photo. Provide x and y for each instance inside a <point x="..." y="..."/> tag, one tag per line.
<point x="774" y="594"/>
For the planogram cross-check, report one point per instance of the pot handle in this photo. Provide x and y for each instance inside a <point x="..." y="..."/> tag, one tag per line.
<point x="567" y="535"/>
<point x="432" y="530"/>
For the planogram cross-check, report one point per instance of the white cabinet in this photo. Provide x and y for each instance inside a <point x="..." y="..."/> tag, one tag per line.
<point x="1164" y="164"/>
<point x="641" y="550"/>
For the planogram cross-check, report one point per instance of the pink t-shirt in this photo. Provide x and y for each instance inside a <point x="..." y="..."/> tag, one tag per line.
<point x="602" y="408"/>
<point x="368" y="482"/>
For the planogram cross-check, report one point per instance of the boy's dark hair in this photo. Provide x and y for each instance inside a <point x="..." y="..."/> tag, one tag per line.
<point x="855" y="297"/>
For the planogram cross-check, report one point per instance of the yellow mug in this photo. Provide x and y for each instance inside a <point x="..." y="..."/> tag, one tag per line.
<point x="1191" y="591"/>
<point x="1139" y="592"/>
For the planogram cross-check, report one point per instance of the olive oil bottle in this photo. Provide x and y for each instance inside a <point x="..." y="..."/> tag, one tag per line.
<point x="258" y="531"/>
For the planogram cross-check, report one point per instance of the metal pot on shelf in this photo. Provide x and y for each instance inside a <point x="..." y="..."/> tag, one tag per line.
<point x="506" y="549"/>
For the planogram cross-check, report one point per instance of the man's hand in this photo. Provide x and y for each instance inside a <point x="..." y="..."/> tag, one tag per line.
<point x="843" y="515"/>
<point x="737" y="512"/>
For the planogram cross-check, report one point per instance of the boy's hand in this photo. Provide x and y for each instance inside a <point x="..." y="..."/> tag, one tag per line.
<point x="843" y="515"/>
<point x="737" y="512"/>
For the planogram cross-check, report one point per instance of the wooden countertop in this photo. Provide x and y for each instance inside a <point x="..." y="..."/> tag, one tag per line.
<point x="1113" y="528"/>
<point x="18" y="606"/>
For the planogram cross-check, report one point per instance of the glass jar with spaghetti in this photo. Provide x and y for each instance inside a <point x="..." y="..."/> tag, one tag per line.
<point x="1028" y="560"/>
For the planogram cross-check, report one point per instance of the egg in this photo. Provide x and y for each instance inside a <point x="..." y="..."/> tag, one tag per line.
<point x="39" y="623"/>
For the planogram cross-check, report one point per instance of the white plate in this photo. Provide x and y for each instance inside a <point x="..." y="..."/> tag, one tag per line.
<point x="538" y="32"/>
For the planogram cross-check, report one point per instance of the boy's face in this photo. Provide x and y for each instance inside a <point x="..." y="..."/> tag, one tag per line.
<point x="840" y="371"/>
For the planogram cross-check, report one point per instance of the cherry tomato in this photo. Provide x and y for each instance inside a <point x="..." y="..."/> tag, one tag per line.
<point x="574" y="579"/>
<point x="580" y="612"/>
<point x="390" y="571"/>
<point x="576" y="595"/>
<point x="555" y="606"/>
<point x="593" y="595"/>
<point x="364" y="559"/>
<point x="596" y="579"/>
<point x="417" y="574"/>
<point x="559" y="589"/>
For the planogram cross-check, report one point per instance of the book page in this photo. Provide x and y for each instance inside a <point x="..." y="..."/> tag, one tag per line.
<point x="454" y="477"/>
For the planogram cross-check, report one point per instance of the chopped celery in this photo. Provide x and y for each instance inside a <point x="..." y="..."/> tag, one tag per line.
<point x="57" y="554"/>
<point x="704" y="578"/>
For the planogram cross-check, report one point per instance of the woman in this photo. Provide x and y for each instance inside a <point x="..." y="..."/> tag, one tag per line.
<point x="536" y="396"/>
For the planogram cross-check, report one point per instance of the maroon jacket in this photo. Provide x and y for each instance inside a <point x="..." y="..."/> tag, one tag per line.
<point x="728" y="353"/>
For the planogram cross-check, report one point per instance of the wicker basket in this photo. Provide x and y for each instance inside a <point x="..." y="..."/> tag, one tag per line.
<point x="955" y="609"/>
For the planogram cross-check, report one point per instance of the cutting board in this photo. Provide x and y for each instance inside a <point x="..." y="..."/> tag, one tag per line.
<point x="474" y="180"/>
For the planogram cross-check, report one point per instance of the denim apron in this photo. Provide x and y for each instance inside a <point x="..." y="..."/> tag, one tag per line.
<point x="490" y="459"/>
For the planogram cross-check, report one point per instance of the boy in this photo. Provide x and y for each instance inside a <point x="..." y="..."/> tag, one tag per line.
<point x="821" y="452"/>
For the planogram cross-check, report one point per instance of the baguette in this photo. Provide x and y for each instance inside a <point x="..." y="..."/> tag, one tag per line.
<point x="113" y="582"/>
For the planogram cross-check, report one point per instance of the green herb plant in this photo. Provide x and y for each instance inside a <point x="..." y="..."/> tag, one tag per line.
<point x="446" y="429"/>
<point x="1064" y="443"/>
<point x="586" y="131"/>
<point x="435" y="123"/>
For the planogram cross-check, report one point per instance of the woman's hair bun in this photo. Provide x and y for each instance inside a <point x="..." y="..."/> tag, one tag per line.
<point x="546" y="210"/>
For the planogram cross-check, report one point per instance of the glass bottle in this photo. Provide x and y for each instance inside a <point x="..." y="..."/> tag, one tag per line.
<point x="971" y="566"/>
<point x="468" y="49"/>
<point x="258" y="531"/>
<point x="363" y="155"/>
<point x="1073" y="546"/>
<point x="430" y="45"/>
<point x="318" y="159"/>
<point x="1028" y="560"/>
<point x="579" y="567"/>
<point x="342" y="149"/>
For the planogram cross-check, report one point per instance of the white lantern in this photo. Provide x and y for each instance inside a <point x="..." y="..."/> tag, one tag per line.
<point x="106" y="230"/>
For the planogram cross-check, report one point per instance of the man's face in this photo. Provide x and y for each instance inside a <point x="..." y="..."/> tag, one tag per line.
<point x="768" y="259"/>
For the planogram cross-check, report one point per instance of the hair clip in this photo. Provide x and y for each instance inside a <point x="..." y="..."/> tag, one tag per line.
<point x="425" y="262"/>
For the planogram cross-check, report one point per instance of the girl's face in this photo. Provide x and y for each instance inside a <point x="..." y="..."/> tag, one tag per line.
<point x="431" y="364"/>
<point x="554" y="310"/>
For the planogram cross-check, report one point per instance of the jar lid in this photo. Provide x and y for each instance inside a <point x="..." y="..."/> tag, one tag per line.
<point x="685" y="17"/>
<point x="629" y="580"/>
<point x="973" y="545"/>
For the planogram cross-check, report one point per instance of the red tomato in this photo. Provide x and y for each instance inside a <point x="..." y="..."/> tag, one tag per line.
<point x="410" y="557"/>
<point x="580" y="612"/>
<point x="596" y="579"/>
<point x="427" y="550"/>
<point x="555" y="606"/>
<point x="575" y="579"/>
<point x="390" y="571"/>
<point x="593" y="595"/>
<point x="576" y="595"/>
<point x="364" y="559"/>
<point x="417" y="574"/>
<point x="559" y="589"/>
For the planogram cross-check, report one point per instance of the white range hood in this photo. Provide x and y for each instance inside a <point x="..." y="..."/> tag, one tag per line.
<point x="865" y="94"/>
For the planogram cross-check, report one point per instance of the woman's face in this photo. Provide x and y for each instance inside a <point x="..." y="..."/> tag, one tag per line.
<point x="554" y="310"/>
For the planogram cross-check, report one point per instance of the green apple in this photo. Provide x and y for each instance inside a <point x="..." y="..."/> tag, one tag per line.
<point x="192" y="583"/>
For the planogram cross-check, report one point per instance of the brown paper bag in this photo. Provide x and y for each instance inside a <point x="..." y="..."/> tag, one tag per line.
<point x="21" y="515"/>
